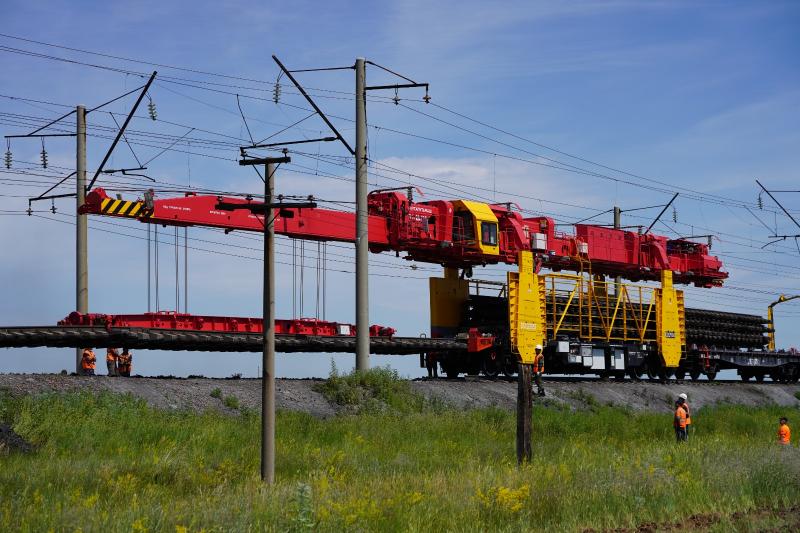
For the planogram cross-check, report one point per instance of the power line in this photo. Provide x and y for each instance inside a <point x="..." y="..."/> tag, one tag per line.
<point x="379" y="127"/>
<point x="579" y="158"/>
<point x="696" y="195"/>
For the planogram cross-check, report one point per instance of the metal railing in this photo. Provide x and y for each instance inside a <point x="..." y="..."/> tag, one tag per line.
<point x="591" y="309"/>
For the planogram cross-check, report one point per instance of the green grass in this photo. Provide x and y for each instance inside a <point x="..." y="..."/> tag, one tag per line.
<point x="110" y="463"/>
<point x="216" y="393"/>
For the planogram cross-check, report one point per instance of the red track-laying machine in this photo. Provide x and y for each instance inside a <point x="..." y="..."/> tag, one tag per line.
<point x="586" y="324"/>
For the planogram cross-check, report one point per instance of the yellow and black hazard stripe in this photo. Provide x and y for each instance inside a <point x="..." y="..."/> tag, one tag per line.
<point x="122" y="208"/>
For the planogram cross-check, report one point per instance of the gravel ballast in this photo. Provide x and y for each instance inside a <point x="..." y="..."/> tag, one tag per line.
<point x="195" y="394"/>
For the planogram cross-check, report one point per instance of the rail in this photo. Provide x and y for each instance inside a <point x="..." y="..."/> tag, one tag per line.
<point x="187" y="340"/>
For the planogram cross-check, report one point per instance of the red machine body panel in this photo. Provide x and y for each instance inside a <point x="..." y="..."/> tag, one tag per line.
<point x="182" y="321"/>
<point x="441" y="232"/>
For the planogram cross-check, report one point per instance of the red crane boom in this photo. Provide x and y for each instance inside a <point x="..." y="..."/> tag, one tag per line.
<point x="456" y="233"/>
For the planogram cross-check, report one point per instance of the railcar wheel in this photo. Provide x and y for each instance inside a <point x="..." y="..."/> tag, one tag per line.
<point x="744" y="375"/>
<point x="680" y="374"/>
<point x="711" y="375"/>
<point x="636" y="373"/>
<point x="760" y="377"/>
<point x="694" y="374"/>
<point x="510" y="369"/>
<point x="491" y="366"/>
<point x="450" y="369"/>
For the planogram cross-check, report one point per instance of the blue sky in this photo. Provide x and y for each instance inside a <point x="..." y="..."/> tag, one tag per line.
<point x="696" y="95"/>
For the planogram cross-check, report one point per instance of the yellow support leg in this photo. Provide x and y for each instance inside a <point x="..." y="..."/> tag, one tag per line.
<point x="670" y="321"/>
<point x="526" y="309"/>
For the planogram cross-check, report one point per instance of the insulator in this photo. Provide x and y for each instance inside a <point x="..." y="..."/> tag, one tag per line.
<point x="151" y="109"/>
<point x="8" y="158"/>
<point x="426" y="98"/>
<point x="44" y="155"/>
<point x="396" y="98"/>
<point x="276" y="93"/>
<point x="674" y="215"/>
<point x="53" y="207"/>
<point x="760" y="202"/>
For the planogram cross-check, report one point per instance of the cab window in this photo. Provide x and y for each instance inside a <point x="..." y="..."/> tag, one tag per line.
<point x="463" y="227"/>
<point x="489" y="233"/>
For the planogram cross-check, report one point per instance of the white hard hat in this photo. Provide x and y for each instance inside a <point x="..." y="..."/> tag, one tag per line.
<point x="538" y="346"/>
<point x="682" y="396"/>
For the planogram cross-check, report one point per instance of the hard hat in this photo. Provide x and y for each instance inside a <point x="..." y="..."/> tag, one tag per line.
<point x="682" y="396"/>
<point x="538" y="346"/>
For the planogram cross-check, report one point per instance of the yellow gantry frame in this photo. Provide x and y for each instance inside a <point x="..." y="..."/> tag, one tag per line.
<point x="582" y="305"/>
<point x="560" y="303"/>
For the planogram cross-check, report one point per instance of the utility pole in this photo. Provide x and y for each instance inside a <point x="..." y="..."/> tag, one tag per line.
<point x="81" y="236"/>
<point x="81" y="221"/>
<point x="617" y="224"/>
<point x="268" y="358"/>
<point x="268" y="354"/>
<point x="362" y="191"/>
<point x="362" y="221"/>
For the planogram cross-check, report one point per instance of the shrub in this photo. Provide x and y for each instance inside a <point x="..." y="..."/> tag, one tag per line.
<point x="216" y="393"/>
<point x="375" y="389"/>
<point x="231" y="402"/>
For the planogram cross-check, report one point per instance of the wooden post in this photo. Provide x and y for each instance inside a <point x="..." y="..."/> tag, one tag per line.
<point x="524" y="412"/>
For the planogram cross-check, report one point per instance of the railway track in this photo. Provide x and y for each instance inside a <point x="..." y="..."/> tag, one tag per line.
<point x="177" y="340"/>
<point x="595" y="379"/>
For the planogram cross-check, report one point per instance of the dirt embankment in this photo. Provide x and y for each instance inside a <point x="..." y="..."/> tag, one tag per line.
<point x="299" y="395"/>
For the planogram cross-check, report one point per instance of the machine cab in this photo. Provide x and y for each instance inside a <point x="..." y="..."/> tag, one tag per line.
<point x="475" y="227"/>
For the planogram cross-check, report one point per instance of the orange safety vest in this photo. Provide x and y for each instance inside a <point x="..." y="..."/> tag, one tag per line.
<point x="538" y="363"/>
<point x="680" y="418"/>
<point x="111" y="355"/>
<point x="125" y="362"/>
<point x="88" y="359"/>
<point x="784" y="434"/>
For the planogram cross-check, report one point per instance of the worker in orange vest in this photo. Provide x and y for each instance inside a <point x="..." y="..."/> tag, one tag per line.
<point x="538" y="369"/>
<point x="125" y="363"/>
<point x="111" y="361"/>
<point x="685" y="398"/>
<point x="679" y="422"/>
<point x="88" y="361"/>
<point x="784" y="433"/>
